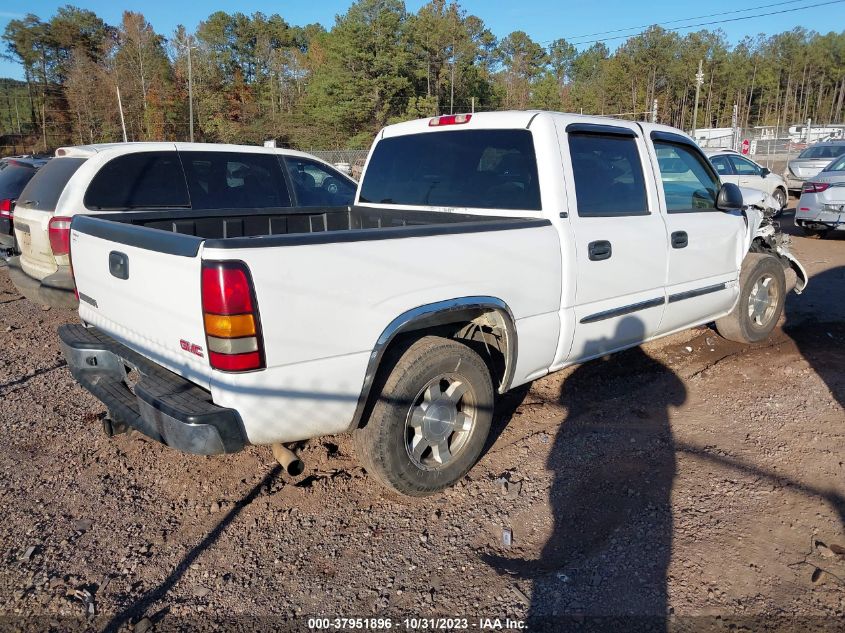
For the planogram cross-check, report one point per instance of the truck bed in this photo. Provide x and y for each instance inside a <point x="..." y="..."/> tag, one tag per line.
<point x="226" y="228"/>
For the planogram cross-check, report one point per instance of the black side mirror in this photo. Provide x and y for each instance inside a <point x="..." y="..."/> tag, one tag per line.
<point x="765" y="171"/>
<point x="729" y="198"/>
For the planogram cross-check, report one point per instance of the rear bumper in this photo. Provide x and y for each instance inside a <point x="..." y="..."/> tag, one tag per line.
<point x="793" y="183"/>
<point x="55" y="290"/>
<point x="163" y="406"/>
<point x="821" y="224"/>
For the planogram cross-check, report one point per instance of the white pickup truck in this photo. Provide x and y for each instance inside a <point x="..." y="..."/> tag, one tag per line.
<point x="483" y="251"/>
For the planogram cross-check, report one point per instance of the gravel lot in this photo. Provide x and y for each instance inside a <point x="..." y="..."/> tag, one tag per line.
<point x="692" y="477"/>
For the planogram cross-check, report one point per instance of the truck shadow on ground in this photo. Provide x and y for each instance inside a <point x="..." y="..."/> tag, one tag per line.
<point x="614" y="465"/>
<point x="604" y="565"/>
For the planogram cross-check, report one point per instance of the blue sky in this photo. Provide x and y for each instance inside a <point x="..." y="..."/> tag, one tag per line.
<point x="543" y="20"/>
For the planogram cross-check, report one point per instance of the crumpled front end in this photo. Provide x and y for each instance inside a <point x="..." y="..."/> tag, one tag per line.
<point x="764" y="236"/>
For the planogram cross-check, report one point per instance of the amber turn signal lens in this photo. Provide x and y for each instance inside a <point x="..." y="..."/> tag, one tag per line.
<point x="233" y="326"/>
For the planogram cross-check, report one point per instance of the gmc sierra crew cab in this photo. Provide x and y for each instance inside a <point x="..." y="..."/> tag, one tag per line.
<point x="482" y="252"/>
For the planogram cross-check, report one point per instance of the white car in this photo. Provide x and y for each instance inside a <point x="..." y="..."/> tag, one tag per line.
<point x="484" y="251"/>
<point x="822" y="205"/>
<point x="104" y="178"/>
<point x="741" y="170"/>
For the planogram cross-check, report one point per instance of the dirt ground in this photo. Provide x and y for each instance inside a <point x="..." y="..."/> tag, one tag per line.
<point x="692" y="478"/>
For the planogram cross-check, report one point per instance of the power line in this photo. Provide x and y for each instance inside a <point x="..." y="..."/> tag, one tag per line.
<point x="697" y="17"/>
<point x="690" y="26"/>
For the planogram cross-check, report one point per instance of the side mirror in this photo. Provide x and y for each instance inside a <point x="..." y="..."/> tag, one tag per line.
<point x="729" y="197"/>
<point x="765" y="171"/>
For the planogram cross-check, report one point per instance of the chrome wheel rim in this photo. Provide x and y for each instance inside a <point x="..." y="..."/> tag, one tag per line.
<point x="440" y="421"/>
<point x="763" y="300"/>
<point x="781" y="198"/>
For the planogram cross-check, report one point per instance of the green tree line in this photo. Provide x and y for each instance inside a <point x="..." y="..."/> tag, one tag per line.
<point x="256" y="76"/>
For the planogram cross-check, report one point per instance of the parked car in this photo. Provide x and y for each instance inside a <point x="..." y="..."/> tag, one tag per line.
<point x="95" y="179"/>
<point x="484" y="251"/>
<point x="15" y="173"/>
<point x="822" y="205"/>
<point x="810" y="162"/>
<point x="740" y="170"/>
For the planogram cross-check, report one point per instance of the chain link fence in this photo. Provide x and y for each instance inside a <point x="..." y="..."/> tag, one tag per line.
<point x="771" y="146"/>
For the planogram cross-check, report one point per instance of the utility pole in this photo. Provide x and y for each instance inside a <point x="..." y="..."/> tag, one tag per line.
<point x="190" y="95"/>
<point x="452" y="97"/>
<point x="473" y="105"/>
<point x="44" y="123"/>
<point x="734" y="124"/>
<point x="699" y="81"/>
<point x="120" y="107"/>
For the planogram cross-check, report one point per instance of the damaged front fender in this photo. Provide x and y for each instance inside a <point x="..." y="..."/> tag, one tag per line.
<point x="763" y="236"/>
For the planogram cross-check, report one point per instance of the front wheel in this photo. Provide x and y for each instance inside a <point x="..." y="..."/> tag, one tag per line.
<point x="780" y="196"/>
<point x="762" y="290"/>
<point x="431" y="420"/>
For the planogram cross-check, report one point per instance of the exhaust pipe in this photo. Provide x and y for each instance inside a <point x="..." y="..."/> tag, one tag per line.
<point x="112" y="427"/>
<point x="288" y="459"/>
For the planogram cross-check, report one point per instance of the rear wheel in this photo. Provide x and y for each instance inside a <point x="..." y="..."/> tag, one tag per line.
<point x="820" y="234"/>
<point x="431" y="419"/>
<point x="762" y="290"/>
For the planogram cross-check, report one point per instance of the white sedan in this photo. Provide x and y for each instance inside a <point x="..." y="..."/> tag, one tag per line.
<point x="822" y="204"/>
<point x="736" y="168"/>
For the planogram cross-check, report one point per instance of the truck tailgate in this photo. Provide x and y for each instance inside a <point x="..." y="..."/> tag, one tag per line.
<point x="146" y="297"/>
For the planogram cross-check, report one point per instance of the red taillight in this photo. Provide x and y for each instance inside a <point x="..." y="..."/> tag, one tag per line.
<point x="226" y="289"/>
<point x="449" y="119"/>
<point x="59" y="231"/>
<point x="7" y="206"/>
<point x="815" y="187"/>
<point x="230" y="316"/>
<point x="235" y="362"/>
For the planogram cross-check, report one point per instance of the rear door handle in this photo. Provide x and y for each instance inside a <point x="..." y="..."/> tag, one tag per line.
<point x="680" y="239"/>
<point x="599" y="250"/>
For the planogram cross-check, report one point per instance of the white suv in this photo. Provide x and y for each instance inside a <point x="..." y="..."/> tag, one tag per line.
<point x="93" y="179"/>
<point x="736" y="168"/>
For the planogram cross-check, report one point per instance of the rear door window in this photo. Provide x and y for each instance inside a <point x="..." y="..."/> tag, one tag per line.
<point x="744" y="167"/>
<point x="722" y="165"/>
<point x="482" y="169"/>
<point x="143" y="180"/>
<point x="234" y="180"/>
<point x="43" y="191"/>
<point x="608" y="175"/>
<point x="316" y="184"/>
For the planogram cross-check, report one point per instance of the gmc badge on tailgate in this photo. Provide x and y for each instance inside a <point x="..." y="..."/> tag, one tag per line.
<point x="195" y="349"/>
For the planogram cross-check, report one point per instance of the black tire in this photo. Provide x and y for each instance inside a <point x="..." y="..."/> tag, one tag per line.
<point x="814" y="233"/>
<point x="384" y="445"/>
<point x="745" y="323"/>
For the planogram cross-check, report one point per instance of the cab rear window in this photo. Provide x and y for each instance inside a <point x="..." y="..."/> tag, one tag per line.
<point x="43" y="191"/>
<point x="481" y="169"/>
